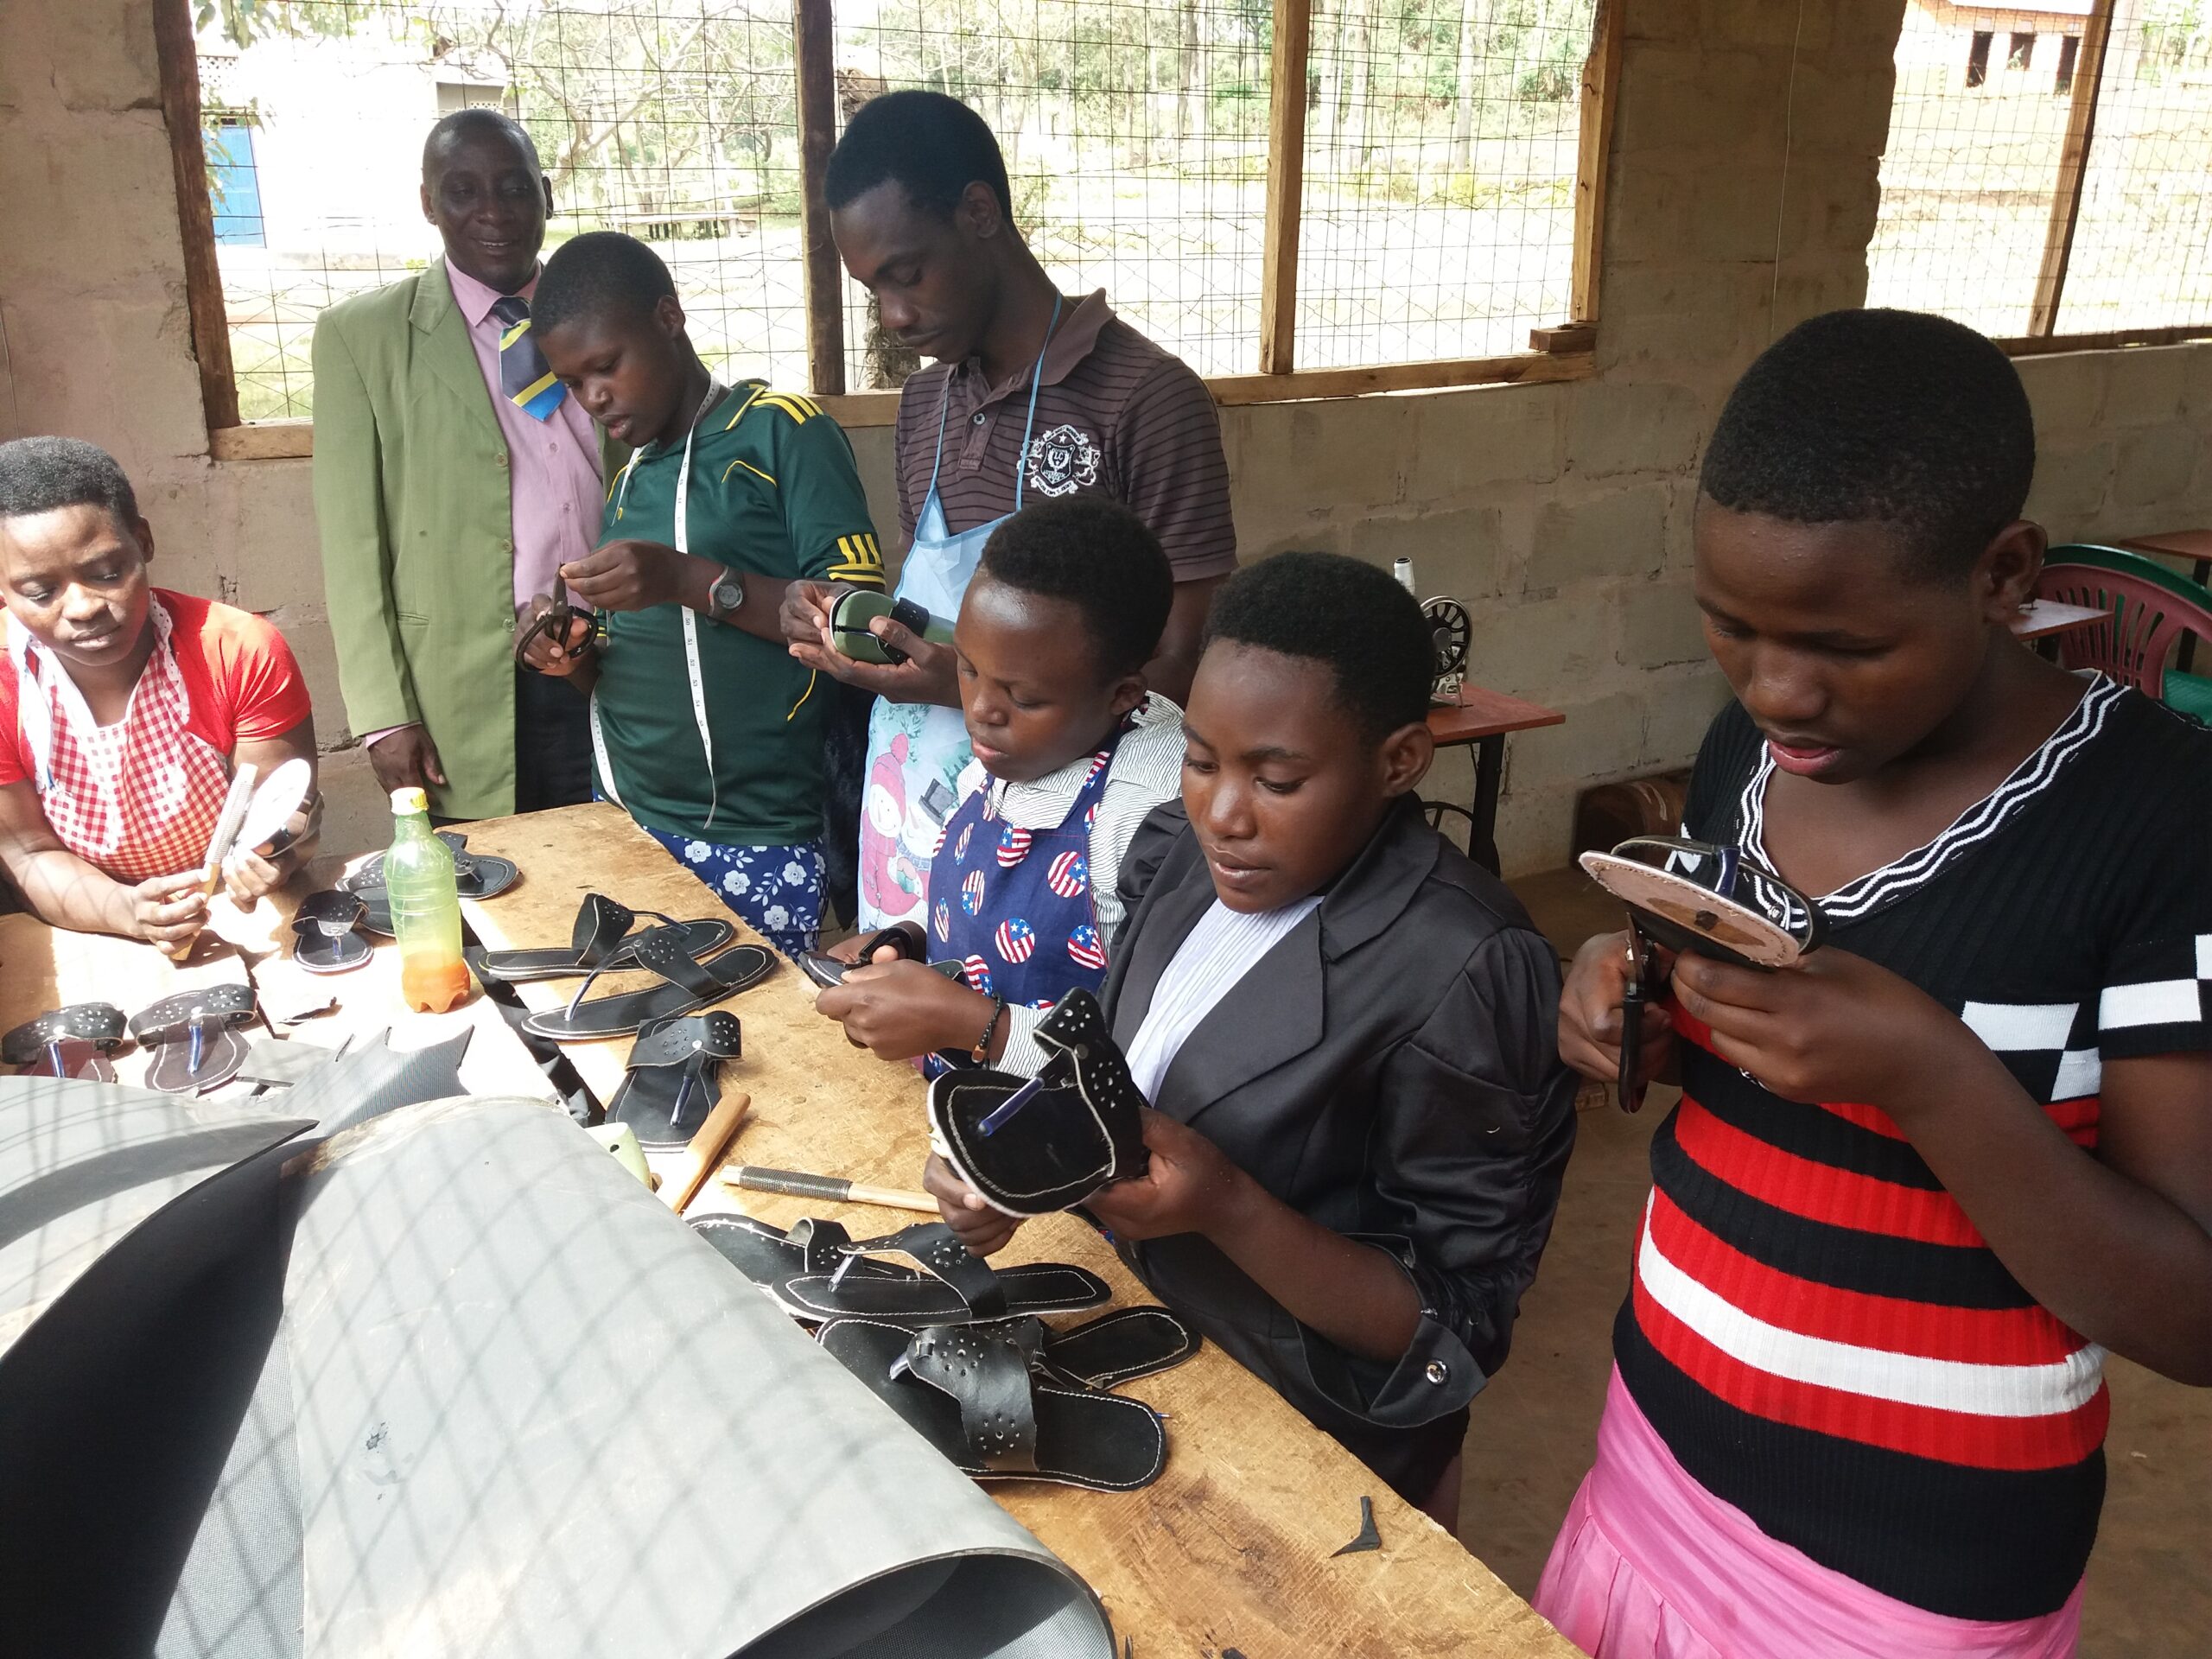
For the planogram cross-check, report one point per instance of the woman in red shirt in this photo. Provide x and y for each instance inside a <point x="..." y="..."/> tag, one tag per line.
<point x="124" y="708"/>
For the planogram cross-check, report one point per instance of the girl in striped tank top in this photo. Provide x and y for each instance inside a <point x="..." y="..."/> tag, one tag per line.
<point x="1919" y="1186"/>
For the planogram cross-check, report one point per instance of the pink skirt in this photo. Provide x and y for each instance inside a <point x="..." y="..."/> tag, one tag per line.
<point x="1650" y="1565"/>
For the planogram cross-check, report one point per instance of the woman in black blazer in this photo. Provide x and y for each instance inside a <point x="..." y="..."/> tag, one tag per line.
<point x="1357" y="1146"/>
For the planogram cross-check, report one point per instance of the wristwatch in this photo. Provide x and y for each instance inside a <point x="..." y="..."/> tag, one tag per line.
<point x="725" y="596"/>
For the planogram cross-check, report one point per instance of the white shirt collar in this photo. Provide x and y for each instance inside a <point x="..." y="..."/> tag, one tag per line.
<point x="1043" y="803"/>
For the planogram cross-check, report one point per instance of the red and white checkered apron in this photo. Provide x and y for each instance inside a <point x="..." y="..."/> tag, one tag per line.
<point x="136" y="799"/>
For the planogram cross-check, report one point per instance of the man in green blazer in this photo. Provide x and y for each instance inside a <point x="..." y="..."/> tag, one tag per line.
<point x="453" y="477"/>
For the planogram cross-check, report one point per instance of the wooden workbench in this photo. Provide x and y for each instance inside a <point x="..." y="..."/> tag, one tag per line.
<point x="1233" y="1548"/>
<point x="43" y="969"/>
<point x="368" y="1002"/>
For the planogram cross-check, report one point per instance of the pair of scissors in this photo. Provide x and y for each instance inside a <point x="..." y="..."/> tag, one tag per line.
<point x="1636" y="992"/>
<point x="554" y="622"/>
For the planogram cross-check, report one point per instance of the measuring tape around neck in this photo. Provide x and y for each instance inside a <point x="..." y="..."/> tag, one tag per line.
<point x="690" y="616"/>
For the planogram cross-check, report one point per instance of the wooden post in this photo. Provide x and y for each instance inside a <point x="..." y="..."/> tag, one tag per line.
<point x="2073" y="169"/>
<point x="1286" y="180"/>
<point x="814" y="38"/>
<point x="178" y="59"/>
<point x="1601" y="79"/>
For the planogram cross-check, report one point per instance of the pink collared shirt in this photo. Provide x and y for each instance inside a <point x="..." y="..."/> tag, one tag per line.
<point x="553" y="483"/>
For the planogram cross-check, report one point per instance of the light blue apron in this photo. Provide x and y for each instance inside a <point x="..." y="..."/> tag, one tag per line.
<point x="916" y="751"/>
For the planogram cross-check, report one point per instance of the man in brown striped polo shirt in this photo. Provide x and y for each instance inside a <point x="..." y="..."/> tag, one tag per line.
<point x="1034" y="394"/>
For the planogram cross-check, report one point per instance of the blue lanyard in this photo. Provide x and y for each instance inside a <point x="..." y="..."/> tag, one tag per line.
<point x="1028" y="424"/>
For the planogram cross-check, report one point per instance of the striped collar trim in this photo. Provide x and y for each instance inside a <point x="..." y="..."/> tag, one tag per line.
<point x="1975" y="825"/>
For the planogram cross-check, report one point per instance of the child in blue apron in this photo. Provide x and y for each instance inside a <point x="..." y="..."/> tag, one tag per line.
<point x="919" y="751"/>
<point x="1071" y="754"/>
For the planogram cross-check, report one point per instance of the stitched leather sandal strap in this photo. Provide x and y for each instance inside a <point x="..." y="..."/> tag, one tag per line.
<point x="601" y="924"/>
<point x="1077" y="1030"/>
<point x="932" y="1245"/>
<point x="988" y="1375"/>
<point x="232" y="1004"/>
<point x="1025" y="1331"/>
<point x="663" y="950"/>
<point x="99" y="1024"/>
<point x="706" y="1038"/>
<point x="822" y="1245"/>
<point x="330" y="911"/>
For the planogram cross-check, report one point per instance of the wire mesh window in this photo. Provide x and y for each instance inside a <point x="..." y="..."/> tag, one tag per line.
<point x="674" y="121"/>
<point x="1977" y="189"/>
<point x="1439" y="199"/>
<point x="2142" y="255"/>
<point x="1438" y="202"/>
<point x="1136" y="134"/>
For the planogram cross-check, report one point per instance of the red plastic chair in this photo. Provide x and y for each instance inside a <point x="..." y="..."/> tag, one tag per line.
<point x="2148" y="613"/>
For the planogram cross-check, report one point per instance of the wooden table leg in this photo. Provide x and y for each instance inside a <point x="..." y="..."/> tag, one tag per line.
<point x="1481" y="834"/>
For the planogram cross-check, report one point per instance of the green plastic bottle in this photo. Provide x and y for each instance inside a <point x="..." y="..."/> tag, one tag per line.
<point x="425" y="909"/>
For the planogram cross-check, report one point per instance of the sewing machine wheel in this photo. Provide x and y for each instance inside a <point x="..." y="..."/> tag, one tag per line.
<point x="1449" y="627"/>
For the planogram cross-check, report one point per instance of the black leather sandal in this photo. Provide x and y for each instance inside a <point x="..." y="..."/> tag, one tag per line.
<point x="324" y="926"/>
<point x="1031" y="1146"/>
<point x="953" y="1287"/>
<point x="195" y="1037"/>
<point x="1102" y="1353"/>
<point x="905" y="937"/>
<point x="691" y="985"/>
<point x="767" y="1255"/>
<point x="983" y="1397"/>
<point x="72" y="1042"/>
<point x="674" y="1078"/>
<point x="599" y="940"/>
<point x="1119" y="1347"/>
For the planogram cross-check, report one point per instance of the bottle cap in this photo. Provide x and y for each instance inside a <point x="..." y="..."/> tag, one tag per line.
<point x="404" y="801"/>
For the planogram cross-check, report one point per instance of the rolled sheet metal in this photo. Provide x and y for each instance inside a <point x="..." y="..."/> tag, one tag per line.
<point x="513" y="1407"/>
<point x="82" y="1164"/>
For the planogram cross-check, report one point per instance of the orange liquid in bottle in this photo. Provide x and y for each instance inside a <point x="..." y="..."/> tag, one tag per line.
<point x="430" y="985"/>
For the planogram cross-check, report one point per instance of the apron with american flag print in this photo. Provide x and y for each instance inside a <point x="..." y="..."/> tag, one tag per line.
<point x="1013" y="905"/>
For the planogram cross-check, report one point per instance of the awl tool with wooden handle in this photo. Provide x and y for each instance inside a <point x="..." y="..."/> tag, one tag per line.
<point x="793" y="1184"/>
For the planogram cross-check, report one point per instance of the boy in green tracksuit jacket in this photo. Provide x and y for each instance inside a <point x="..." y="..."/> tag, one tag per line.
<point x="703" y="728"/>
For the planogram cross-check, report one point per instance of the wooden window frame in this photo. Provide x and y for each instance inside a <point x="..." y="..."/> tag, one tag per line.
<point x="1563" y="351"/>
<point x="2042" y="337"/>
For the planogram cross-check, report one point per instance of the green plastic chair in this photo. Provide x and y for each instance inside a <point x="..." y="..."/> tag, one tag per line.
<point x="2154" y="612"/>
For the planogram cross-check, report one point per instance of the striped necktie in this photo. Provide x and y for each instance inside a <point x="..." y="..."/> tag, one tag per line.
<point x="524" y="381"/>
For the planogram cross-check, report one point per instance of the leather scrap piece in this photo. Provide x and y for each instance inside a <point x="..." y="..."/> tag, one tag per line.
<point x="1369" y="1538"/>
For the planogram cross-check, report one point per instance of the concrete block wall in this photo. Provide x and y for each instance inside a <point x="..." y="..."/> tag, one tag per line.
<point x="1742" y="193"/>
